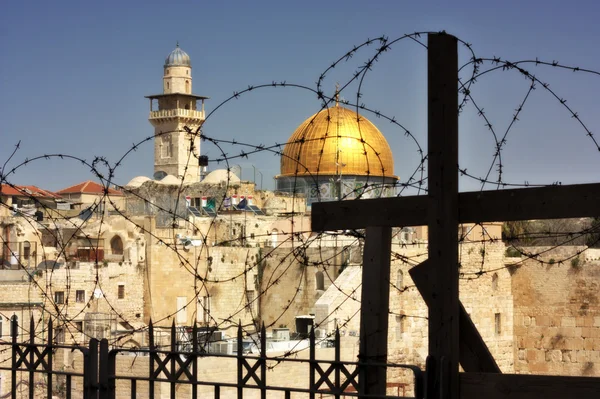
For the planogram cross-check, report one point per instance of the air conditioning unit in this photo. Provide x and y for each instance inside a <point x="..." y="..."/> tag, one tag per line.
<point x="320" y="333"/>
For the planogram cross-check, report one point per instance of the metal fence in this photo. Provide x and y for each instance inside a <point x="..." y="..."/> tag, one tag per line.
<point x="36" y="370"/>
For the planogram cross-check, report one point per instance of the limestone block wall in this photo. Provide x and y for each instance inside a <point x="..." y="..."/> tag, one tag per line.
<point x="485" y="290"/>
<point x="289" y="281"/>
<point x="178" y="280"/>
<point x="557" y="316"/>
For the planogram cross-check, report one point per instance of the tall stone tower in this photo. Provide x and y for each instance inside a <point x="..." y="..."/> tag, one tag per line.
<point x="176" y="151"/>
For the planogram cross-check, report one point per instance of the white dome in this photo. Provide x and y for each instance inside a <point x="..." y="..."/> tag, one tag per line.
<point x="170" y="179"/>
<point x="137" y="181"/>
<point x="221" y="175"/>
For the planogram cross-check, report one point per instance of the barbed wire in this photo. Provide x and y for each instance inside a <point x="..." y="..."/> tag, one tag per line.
<point x="300" y="251"/>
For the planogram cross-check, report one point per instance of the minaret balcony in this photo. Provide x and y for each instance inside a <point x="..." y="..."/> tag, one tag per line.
<point x="176" y="113"/>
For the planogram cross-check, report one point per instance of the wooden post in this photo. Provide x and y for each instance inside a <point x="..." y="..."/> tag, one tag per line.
<point x="374" y="310"/>
<point x="442" y="144"/>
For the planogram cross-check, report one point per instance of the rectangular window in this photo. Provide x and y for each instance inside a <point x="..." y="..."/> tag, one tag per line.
<point x="121" y="292"/>
<point x="399" y="326"/>
<point x="80" y="296"/>
<point x="79" y="326"/>
<point x="165" y="147"/>
<point x="59" y="335"/>
<point x="497" y="322"/>
<point x="59" y="297"/>
<point x="0" y="326"/>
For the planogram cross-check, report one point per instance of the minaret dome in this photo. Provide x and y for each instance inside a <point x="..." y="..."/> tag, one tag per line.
<point x="177" y="77"/>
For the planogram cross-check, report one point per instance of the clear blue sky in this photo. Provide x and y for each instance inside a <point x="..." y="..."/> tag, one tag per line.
<point x="74" y="74"/>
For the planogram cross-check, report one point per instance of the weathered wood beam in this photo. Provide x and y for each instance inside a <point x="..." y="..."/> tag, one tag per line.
<point x="374" y="310"/>
<point x="552" y="202"/>
<point x="474" y="355"/>
<point x="442" y="215"/>
<point x="523" y="386"/>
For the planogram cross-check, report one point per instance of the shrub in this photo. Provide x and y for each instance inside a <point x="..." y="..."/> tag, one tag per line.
<point x="575" y="262"/>
<point x="512" y="252"/>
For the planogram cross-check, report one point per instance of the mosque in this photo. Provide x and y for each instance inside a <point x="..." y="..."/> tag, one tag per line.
<point x="335" y="154"/>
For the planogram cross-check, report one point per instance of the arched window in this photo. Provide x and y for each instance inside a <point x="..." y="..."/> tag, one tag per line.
<point x="495" y="281"/>
<point x="187" y="86"/>
<point x="116" y="246"/>
<point x="399" y="280"/>
<point x="320" y="281"/>
<point x="165" y="147"/>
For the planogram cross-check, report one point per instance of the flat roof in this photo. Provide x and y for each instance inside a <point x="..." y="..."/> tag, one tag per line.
<point x="153" y="96"/>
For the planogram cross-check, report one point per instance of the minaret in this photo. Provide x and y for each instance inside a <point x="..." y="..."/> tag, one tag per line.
<point x="176" y="152"/>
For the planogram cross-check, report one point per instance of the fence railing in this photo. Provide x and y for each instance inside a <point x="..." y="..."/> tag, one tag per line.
<point x="105" y="373"/>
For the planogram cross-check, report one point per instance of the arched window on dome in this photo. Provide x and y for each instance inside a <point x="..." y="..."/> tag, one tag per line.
<point x="116" y="246"/>
<point x="320" y="281"/>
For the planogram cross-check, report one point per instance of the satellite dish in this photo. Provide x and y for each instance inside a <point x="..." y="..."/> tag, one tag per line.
<point x="98" y="293"/>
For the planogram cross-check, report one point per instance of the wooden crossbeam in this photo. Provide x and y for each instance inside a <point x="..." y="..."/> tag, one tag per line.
<point x="552" y="202"/>
<point x="524" y="386"/>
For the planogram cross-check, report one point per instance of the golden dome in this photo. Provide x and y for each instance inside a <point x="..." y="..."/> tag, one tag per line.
<point x="337" y="141"/>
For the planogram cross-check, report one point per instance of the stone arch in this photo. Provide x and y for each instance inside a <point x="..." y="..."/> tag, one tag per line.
<point x="320" y="281"/>
<point x="116" y="245"/>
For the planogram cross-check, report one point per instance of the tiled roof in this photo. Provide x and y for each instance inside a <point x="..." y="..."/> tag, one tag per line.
<point x="88" y="187"/>
<point x="28" y="191"/>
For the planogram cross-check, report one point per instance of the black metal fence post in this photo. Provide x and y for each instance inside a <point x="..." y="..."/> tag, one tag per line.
<point x="90" y="371"/>
<point x="103" y="371"/>
<point x="14" y="325"/>
<point x="50" y="351"/>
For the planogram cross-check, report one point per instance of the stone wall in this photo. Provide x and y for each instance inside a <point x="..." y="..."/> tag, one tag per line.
<point x="557" y="315"/>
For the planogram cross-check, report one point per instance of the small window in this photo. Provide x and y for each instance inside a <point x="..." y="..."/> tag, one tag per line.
<point x="79" y="326"/>
<point x="59" y="297"/>
<point x="320" y="281"/>
<point x="399" y="326"/>
<point x="165" y="147"/>
<point x="59" y="335"/>
<point x="497" y="323"/>
<point x="399" y="280"/>
<point x="495" y="281"/>
<point x="116" y="246"/>
<point x="0" y="326"/>
<point x="26" y="250"/>
<point x="80" y="296"/>
<point x="121" y="291"/>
